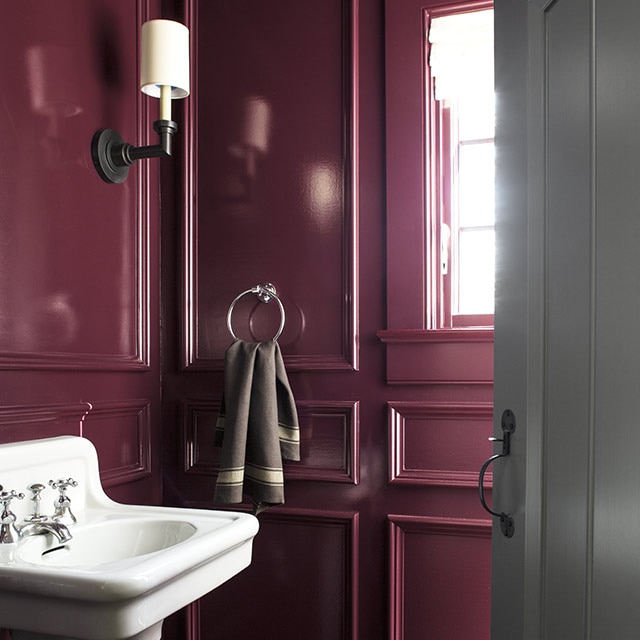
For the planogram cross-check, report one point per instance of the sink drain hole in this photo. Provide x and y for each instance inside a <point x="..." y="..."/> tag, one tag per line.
<point x="48" y="551"/>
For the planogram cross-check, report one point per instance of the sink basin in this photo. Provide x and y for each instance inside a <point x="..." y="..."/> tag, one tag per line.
<point x="102" y="543"/>
<point x="126" y="568"/>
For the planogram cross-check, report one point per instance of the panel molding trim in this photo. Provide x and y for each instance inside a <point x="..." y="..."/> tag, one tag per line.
<point x="399" y="527"/>
<point x="442" y="356"/>
<point x="400" y="415"/>
<point x="17" y="422"/>
<point x="195" y="413"/>
<point x="345" y="447"/>
<point x="28" y="422"/>
<point x="138" y="357"/>
<point x="349" y="523"/>
<point x="192" y="357"/>
<point x="331" y="454"/>
<point x="138" y="446"/>
<point x="346" y="521"/>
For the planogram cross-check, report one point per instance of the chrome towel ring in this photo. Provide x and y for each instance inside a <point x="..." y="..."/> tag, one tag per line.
<point x="265" y="292"/>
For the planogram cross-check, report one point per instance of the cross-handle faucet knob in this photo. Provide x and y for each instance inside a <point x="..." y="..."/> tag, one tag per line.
<point x="62" y="485"/>
<point x="8" y="531"/>
<point x="36" y="489"/>
<point x="5" y="499"/>
<point x="63" y="502"/>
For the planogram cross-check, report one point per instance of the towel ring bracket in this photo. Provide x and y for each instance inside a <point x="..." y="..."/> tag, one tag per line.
<point x="266" y="293"/>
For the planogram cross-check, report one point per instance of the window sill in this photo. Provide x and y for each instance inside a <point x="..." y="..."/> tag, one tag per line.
<point x="439" y="356"/>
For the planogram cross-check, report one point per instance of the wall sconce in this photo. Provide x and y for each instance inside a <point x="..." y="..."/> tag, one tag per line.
<point x="164" y="74"/>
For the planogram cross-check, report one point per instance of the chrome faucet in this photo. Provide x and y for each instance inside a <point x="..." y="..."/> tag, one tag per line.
<point x="60" y="531"/>
<point x="33" y="525"/>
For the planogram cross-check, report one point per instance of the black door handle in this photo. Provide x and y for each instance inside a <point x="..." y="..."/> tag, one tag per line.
<point x="508" y="427"/>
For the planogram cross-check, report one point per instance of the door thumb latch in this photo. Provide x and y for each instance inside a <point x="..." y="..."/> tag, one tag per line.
<point x="508" y="424"/>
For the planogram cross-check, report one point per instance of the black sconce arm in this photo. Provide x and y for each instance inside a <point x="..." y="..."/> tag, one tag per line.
<point x="112" y="156"/>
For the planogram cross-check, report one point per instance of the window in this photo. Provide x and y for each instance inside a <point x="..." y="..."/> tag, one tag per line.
<point x="461" y="147"/>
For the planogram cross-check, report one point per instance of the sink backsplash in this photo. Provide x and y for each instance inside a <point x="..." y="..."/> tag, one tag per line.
<point x="38" y="461"/>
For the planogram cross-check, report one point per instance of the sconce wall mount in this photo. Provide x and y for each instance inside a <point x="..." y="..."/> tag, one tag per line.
<point x="112" y="156"/>
<point x="164" y="73"/>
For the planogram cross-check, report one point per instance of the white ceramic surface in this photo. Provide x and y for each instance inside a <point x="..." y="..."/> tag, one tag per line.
<point x="117" y="540"/>
<point x="126" y="568"/>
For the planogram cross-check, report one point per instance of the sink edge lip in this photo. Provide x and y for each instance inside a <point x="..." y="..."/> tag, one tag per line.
<point x="139" y="575"/>
<point x="111" y="591"/>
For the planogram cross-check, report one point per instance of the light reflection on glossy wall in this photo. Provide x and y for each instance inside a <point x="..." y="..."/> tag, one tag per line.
<point x="60" y="83"/>
<point x="78" y="260"/>
<point x="270" y="168"/>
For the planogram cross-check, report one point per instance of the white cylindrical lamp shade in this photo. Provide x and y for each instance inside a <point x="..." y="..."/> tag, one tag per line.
<point x="164" y="62"/>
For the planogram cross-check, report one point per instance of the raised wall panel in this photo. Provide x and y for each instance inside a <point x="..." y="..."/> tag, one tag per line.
<point x="446" y="356"/>
<point x="199" y="426"/>
<point x="126" y="423"/>
<point x="272" y="187"/>
<point x="448" y="558"/>
<point x="74" y="261"/>
<point x="329" y="440"/>
<point x="309" y="560"/>
<point x="19" y="423"/>
<point x="439" y="444"/>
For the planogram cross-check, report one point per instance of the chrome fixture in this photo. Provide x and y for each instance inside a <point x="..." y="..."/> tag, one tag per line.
<point x="36" y="489"/>
<point x="265" y="292"/>
<point x="63" y="502"/>
<point x="8" y="531"/>
<point x="164" y="74"/>
<point x="37" y="523"/>
<point x="58" y="530"/>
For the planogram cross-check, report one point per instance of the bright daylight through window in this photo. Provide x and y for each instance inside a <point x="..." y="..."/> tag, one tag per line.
<point x="461" y="134"/>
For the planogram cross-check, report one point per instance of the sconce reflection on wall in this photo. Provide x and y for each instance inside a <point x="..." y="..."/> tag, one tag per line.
<point x="252" y="142"/>
<point x="53" y="87"/>
<point x="254" y="136"/>
<point x="164" y="74"/>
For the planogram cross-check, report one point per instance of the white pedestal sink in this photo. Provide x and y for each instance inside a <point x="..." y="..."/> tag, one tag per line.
<point x="125" y="569"/>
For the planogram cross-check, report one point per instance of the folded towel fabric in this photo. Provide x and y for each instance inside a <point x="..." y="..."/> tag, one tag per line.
<point x="257" y="426"/>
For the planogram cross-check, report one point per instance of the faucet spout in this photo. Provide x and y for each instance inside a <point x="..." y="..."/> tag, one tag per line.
<point x="56" y="529"/>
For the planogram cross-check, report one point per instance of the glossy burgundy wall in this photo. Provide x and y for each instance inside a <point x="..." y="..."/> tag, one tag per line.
<point x="80" y="320"/>
<point x="273" y="192"/>
<point x="382" y="535"/>
<point x="79" y="270"/>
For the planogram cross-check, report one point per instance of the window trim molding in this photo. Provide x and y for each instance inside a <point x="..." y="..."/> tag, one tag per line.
<point x="440" y="314"/>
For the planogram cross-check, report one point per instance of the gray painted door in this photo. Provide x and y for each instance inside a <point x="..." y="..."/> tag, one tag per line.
<point x="567" y="319"/>
<point x="511" y="317"/>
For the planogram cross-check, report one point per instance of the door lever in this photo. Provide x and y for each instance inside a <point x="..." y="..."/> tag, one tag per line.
<point x="508" y="427"/>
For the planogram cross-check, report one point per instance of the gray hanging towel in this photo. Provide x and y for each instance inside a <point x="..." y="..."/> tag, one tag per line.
<point x="257" y="426"/>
